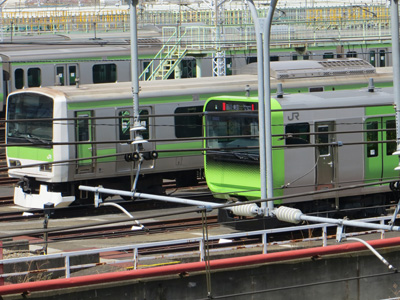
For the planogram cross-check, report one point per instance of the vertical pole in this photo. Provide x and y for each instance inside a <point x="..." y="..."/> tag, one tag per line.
<point x="267" y="109"/>
<point x="394" y="18"/>
<point x="134" y="62"/>
<point x="1" y="265"/>
<point x="261" y="113"/>
<point x="263" y="28"/>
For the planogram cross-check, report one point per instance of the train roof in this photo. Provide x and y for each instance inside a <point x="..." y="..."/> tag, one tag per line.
<point x="314" y="68"/>
<point x="149" y="89"/>
<point x="204" y="85"/>
<point x="46" y="53"/>
<point x="337" y="99"/>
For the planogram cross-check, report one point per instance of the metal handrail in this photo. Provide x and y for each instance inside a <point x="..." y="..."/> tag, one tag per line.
<point x="264" y="245"/>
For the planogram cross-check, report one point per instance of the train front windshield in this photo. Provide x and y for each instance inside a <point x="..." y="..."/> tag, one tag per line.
<point x="232" y="126"/>
<point x="30" y="117"/>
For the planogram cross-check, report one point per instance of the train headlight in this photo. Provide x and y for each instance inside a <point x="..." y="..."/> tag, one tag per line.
<point x="14" y="163"/>
<point x="46" y="168"/>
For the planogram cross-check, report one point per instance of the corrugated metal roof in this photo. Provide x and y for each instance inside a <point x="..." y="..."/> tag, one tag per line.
<point x="320" y="68"/>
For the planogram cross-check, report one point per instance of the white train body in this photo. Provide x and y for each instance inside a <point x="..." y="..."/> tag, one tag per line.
<point x="61" y="137"/>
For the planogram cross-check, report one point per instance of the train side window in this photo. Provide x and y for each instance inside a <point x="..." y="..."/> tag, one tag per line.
<point x="297" y="133"/>
<point x="372" y="136"/>
<point x="251" y="59"/>
<point x="72" y="75"/>
<point x="19" y="78"/>
<point x="188" y="125"/>
<point x="351" y="54"/>
<point x="327" y="55"/>
<point x="34" y="77"/>
<point x="82" y="128"/>
<point x="60" y="75"/>
<point x="372" y="55"/>
<point x="382" y="58"/>
<point x="104" y="73"/>
<point x="144" y="121"/>
<point x="390" y="136"/>
<point x="125" y="124"/>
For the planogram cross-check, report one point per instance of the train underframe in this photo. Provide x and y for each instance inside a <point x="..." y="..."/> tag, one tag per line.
<point x="34" y="194"/>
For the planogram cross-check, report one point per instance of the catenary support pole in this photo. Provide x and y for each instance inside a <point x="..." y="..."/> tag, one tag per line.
<point x="394" y="18"/>
<point x="267" y="107"/>
<point x="134" y="62"/>
<point x="263" y="29"/>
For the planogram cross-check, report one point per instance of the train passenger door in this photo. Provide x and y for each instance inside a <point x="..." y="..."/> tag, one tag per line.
<point x="324" y="155"/>
<point x="125" y="117"/>
<point x="382" y="58"/>
<point x="379" y="161"/>
<point x="66" y="74"/>
<point x="84" y="133"/>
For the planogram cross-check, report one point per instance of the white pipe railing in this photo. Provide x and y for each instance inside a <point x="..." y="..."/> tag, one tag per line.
<point x="227" y="238"/>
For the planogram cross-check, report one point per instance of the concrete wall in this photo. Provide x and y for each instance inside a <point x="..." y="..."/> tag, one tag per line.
<point x="356" y="275"/>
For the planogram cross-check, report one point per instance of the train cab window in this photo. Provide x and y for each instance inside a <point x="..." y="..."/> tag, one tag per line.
<point x="390" y="135"/>
<point x="34" y="77"/>
<point x="372" y="136"/>
<point x="19" y="78"/>
<point x="125" y="124"/>
<point x="104" y="73"/>
<point x="188" y="125"/>
<point x="297" y="133"/>
<point x="27" y="106"/>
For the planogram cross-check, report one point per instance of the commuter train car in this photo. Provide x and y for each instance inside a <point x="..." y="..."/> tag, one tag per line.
<point x="88" y="142"/>
<point x="59" y="141"/>
<point x="320" y="141"/>
<point x="62" y="66"/>
<point x="67" y="62"/>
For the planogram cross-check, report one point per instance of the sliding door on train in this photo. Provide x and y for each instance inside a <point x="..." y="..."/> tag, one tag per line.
<point x="124" y="137"/>
<point x="66" y="74"/>
<point x="380" y="139"/>
<point x="325" y="155"/>
<point x="84" y="136"/>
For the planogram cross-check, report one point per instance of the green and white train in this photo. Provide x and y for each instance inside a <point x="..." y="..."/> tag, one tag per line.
<point x="63" y="136"/>
<point x="48" y="62"/>
<point x="82" y="137"/>
<point x="320" y="141"/>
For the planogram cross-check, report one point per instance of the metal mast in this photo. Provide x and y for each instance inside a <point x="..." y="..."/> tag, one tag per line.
<point x="218" y="13"/>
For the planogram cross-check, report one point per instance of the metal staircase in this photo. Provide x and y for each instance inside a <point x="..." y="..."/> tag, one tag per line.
<point x="168" y="58"/>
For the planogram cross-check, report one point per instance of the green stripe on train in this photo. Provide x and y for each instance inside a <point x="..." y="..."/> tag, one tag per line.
<point x="179" y="147"/>
<point x="101" y="152"/>
<point x="32" y="153"/>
